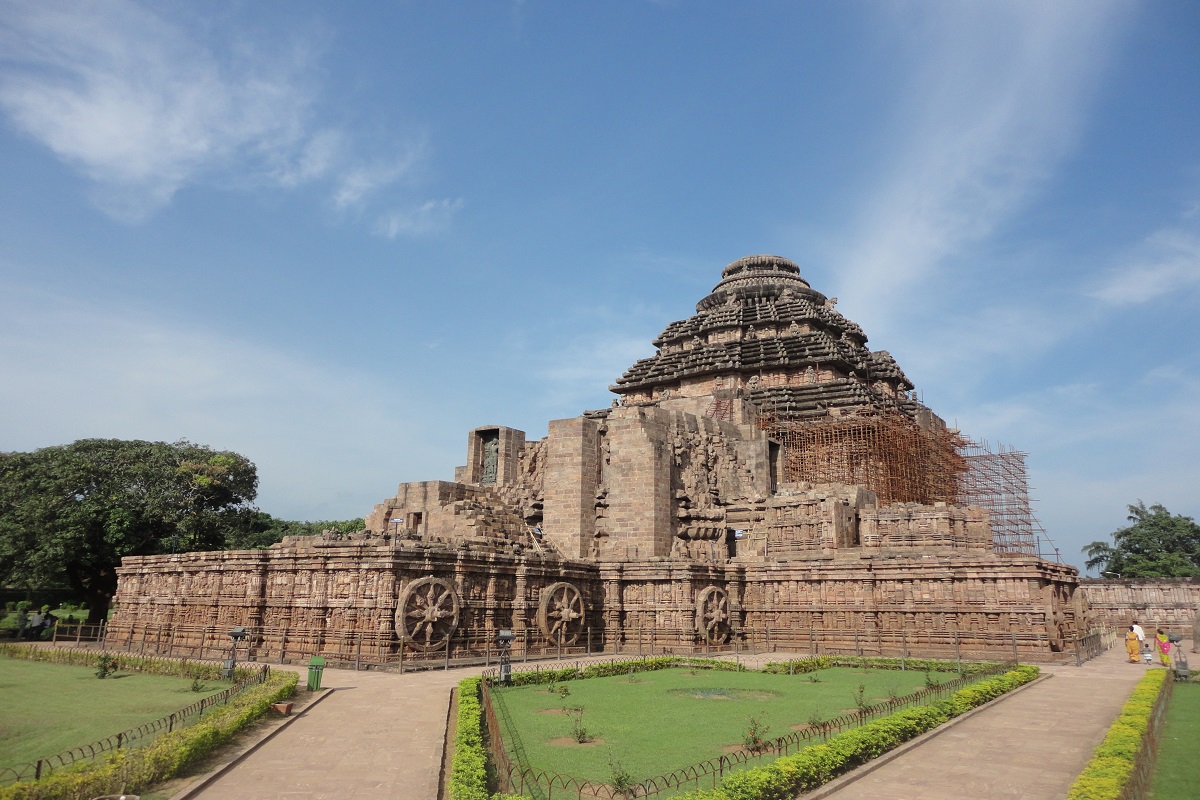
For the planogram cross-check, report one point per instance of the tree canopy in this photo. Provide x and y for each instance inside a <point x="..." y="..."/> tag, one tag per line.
<point x="68" y="514"/>
<point x="258" y="529"/>
<point x="1158" y="544"/>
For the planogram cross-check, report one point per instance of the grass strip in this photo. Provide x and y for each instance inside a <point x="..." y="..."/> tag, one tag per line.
<point x="136" y="769"/>
<point x="814" y="766"/>
<point x="1179" y="748"/>
<point x="53" y="709"/>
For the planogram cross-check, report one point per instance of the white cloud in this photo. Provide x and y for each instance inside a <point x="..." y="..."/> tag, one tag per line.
<point x="356" y="183"/>
<point x="1168" y="261"/>
<point x="996" y="100"/>
<point x="431" y="217"/>
<point x="143" y="106"/>
<point x="138" y="105"/>
<point x="319" y="156"/>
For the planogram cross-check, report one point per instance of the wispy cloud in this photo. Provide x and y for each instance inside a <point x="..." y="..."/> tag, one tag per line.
<point x="1167" y="261"/>
<point x="996" y="100"/>
<point x="431" y="217"/>
<point x="98" y="370"/>
<point x="357" y="182"/>
<point x="144" y="105"/>
<point x="1096" y="446"/>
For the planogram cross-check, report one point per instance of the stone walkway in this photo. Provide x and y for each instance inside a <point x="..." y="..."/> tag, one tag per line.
<point x="376" y="735"/>
<point x="1032" y="745"/>
<point x="380" y="736"/>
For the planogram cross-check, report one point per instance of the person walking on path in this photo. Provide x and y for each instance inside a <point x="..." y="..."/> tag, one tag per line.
<point x="1164" y="648"/>
<point x="1132" y="646"/>
<point x="1141" y="634"/>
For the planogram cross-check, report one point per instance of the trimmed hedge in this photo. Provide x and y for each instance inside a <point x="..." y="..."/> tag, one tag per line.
<point x="818" y="764"/>
<point x="801" y="666"/>
<point x="180" y="667"/>
<point x="613" y="668"/>
<point x="468" y="767"/>
<point x="135" y="769"/>
<point x="1105" y="776"/>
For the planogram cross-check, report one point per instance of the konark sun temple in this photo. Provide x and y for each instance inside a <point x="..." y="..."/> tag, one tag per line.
<point x="763" y="480"/>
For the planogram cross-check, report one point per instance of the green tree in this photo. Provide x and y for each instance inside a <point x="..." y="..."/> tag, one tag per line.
<point x="258" y="529"/>
<point x="1158" y="544"/>
<point x="68" y="514"/>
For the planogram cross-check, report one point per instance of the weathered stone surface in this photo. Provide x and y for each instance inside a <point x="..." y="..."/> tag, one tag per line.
<point x="1158" y="602"/>
<point x="666" y="522"/>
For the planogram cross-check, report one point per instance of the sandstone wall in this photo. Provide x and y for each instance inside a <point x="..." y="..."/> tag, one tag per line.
<point x="1166" y="602"/>
<point x="929" y="604"/>
<point x="360" y="600"/>
<point x="345" y="599"/>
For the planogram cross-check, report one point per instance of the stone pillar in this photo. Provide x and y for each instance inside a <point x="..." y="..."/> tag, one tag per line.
<point x="613" y="605"/>
<point x="519" y="623"/>
<point x="572" y="477"/>
<point x="641" y="503"/>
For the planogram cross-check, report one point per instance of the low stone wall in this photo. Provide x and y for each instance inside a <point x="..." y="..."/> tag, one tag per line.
<point x="1168" y="603"/>
<point x="363" y="601"/>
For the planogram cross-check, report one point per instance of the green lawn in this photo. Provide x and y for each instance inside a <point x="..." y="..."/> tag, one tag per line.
<point x="48" y="708"/>
<point x="656" y="722"/>
<point x="1179" y="751"/>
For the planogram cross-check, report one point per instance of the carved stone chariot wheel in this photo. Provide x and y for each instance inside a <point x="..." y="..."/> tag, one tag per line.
<point x="561" y="614"/>
<point x="427" y="614"/>
<point x="712" y="615"/>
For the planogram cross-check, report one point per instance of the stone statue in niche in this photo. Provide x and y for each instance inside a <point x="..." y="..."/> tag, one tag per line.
<point x="491" y="459"/>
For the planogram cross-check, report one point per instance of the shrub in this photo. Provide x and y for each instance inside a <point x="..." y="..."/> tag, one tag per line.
<point x="578" y="731"/>
<point x="1112" y="764"/>
<point x="617" y="668"/>
<point x="105" y="665"/>
<point x="620" y="781"/>
<point x="468" y="767"/>
<point x="816" y="765"/>
<point x="755" y="736"/>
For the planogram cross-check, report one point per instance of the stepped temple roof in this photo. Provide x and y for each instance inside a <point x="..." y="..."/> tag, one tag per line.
<point x="765" y="330"/>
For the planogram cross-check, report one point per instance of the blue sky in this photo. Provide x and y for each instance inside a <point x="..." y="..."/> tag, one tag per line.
<point x="336" y="237"/>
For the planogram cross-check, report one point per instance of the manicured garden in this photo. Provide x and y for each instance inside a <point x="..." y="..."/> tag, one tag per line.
<point x="1175" y="775"/>
<point x="46" y="708"/>
<point x="649" y="723"/>
<point x="774" y="778"/>
<point x="162" y="756"/>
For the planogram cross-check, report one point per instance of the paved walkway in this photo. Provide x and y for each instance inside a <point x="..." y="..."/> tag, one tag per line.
<point x="380" y="736"/>
<point x="377" y="735"/>
<point x="1032" y="745"/>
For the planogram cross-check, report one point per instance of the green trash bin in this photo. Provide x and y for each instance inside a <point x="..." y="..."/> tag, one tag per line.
<point x="316" y="665"/>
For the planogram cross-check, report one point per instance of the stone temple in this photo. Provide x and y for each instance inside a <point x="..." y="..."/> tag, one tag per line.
<point x="764" y="479"/>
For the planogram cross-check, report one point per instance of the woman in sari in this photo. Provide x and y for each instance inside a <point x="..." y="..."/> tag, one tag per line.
<point x="1132" y="646"/>
<point x="1164" y="648"/>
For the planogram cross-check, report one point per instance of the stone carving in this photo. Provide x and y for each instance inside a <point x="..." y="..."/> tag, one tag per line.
<point x="561" y="614"/>
<point x="675" y="511"/>
<point x="712" y="615"/>
<point x="491" y="459"/>
<point x="427" y="614"/>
